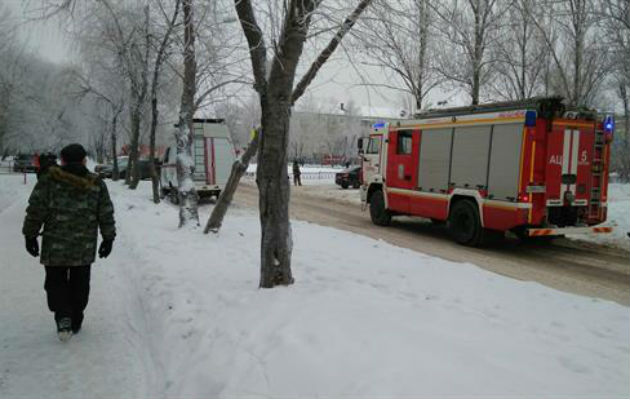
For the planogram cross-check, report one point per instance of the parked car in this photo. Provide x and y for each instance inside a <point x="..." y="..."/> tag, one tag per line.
<point x="349" y="177"/>
<point x="25" y="163"/>
<point x="106" y="170"/>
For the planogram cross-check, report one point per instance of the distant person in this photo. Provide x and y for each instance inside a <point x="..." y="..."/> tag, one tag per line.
<point x="347" y="164"/>
<point x="45" y="161"/>
<point x="71" y="204"/>
<point x="297" y="181"/>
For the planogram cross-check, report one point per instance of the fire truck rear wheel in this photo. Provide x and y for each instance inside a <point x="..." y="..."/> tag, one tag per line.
<point x="464" y="223"/>
<point x="378" y="213"/>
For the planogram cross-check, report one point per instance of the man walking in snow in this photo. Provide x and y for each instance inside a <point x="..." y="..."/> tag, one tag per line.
<point x="71" y="204"/>
<point x="296" y="174"/>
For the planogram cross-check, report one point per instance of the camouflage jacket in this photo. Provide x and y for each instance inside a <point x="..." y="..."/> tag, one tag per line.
<point x="72" y="204"/>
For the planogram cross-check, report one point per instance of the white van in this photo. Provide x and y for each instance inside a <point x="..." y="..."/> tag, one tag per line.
<point x="214" y="155"/>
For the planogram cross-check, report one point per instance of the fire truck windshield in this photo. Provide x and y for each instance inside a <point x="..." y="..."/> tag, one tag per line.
<point x="374" y="145"/>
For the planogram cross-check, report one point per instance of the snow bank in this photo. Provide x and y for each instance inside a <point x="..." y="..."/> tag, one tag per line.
<point x="7" y="162"/>
<point x="310" y="174"/>
<point x="364" y="319"/>
<point x="13" y="188"/>
<point x="618" y="217"/>
<point x="304" y="168"/>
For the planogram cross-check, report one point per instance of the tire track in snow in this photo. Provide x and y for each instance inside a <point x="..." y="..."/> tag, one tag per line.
<point x="581" y="271"/>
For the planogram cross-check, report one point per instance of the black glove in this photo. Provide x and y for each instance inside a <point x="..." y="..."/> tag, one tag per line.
<point x="32" y="246"/>
<point x="105" y="249"/>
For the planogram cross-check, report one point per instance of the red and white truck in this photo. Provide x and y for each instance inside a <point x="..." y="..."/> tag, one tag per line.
<point x="533" y="167"/>
<point x="213" y="154"/>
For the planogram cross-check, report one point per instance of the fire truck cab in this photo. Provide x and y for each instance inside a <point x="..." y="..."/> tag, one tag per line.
<point x="533" y="167"/>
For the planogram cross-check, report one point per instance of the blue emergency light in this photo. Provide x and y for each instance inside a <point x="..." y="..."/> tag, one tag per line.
<point x="530" y="118"/>
<point x="378" y="125"/>
<point x="609" y="123"/>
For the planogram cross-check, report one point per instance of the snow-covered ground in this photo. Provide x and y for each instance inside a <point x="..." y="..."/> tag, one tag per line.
<point x="178" y="314"/>
<point x="311" y="175"/>
<point x="618" y="216"/>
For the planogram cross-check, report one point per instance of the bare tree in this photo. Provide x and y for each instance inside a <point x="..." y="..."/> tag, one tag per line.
<point x="471" y="28"/>
<point x="101" y="80"/>
<point x="615" y="23"/>
<point x="160" y="56"/>
<point x="138" y="72"/>
<point x="225" y="199"/>
<point x="188" y="198"/>
<point x="522" y="55"/>
<point x="277" y="96"/>
<point x="120" y="32"/>
<point x="401" y="34"/>
<point x="579" y="53"/>
<point x="6" y="82"/>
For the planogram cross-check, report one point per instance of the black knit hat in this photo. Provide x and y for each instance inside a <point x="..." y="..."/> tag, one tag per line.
<point x="73" y="153"/>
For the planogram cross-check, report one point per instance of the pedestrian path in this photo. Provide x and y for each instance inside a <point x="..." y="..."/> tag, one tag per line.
<point x="109" y="358"/>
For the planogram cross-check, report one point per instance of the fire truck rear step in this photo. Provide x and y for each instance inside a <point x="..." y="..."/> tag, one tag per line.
<point x="532" y="232"/>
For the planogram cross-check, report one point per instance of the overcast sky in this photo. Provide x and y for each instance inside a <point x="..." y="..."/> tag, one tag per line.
<point x="43" y="37"/>
<point x="338" y="82"/>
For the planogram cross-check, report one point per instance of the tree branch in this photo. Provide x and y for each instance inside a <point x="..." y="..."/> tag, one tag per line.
<point x="328" y="51"/>
<point x="256" y="41"/>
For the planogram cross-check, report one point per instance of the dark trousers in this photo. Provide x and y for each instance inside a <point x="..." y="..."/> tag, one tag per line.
<point x="297" y="181"/>
<point x="67" y="291"/>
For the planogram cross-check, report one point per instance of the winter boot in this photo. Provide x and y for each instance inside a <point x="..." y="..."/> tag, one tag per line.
<point x="64" y="329"/>
<point x="77" y="320"/>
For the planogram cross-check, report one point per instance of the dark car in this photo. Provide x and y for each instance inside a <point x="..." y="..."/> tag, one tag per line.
<point x="25" y="163"/>
<point x="106" y="170"/>
<point x="349" y="177"/>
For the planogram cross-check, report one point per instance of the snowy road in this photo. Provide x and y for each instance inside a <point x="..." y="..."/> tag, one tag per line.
<point x="583" y="269"/>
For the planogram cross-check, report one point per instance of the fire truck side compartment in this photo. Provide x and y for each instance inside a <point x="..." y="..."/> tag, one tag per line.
<point x="470" y="157"/>
<point x="505" y="161"/>
<point x="435" y="150"/>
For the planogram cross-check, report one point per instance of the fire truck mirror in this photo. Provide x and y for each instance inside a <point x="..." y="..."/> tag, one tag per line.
<point x="360" y="145"/>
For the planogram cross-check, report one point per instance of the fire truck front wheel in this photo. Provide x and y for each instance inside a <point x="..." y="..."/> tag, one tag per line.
<point x="378" y="213"/>
<point x="464" y="223"/>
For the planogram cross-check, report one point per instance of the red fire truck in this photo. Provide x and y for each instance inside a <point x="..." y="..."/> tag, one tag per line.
<point x="533" y="167"/>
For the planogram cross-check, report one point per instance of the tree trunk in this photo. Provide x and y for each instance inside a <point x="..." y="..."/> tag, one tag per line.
<point x="155" y="182"/>
<point x="475" y="87"/>
<point x="159" y="58"/>
<point x="225" y="199"/>
<point x="115" y="171"/>
<point x="131" y="176"/>
<point x="99" y="151"/>
<point x="141" y="95"/>
<point x="423" y="40"/>
<point x="276" y="98"/>
<point x="477" y="59"/>
<point x="271" y="175"/>
<point x="273" y="187"/>
<point x="625" y="153"/>
<point x="188" y="199"/>
<point x="524" y="61"/>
